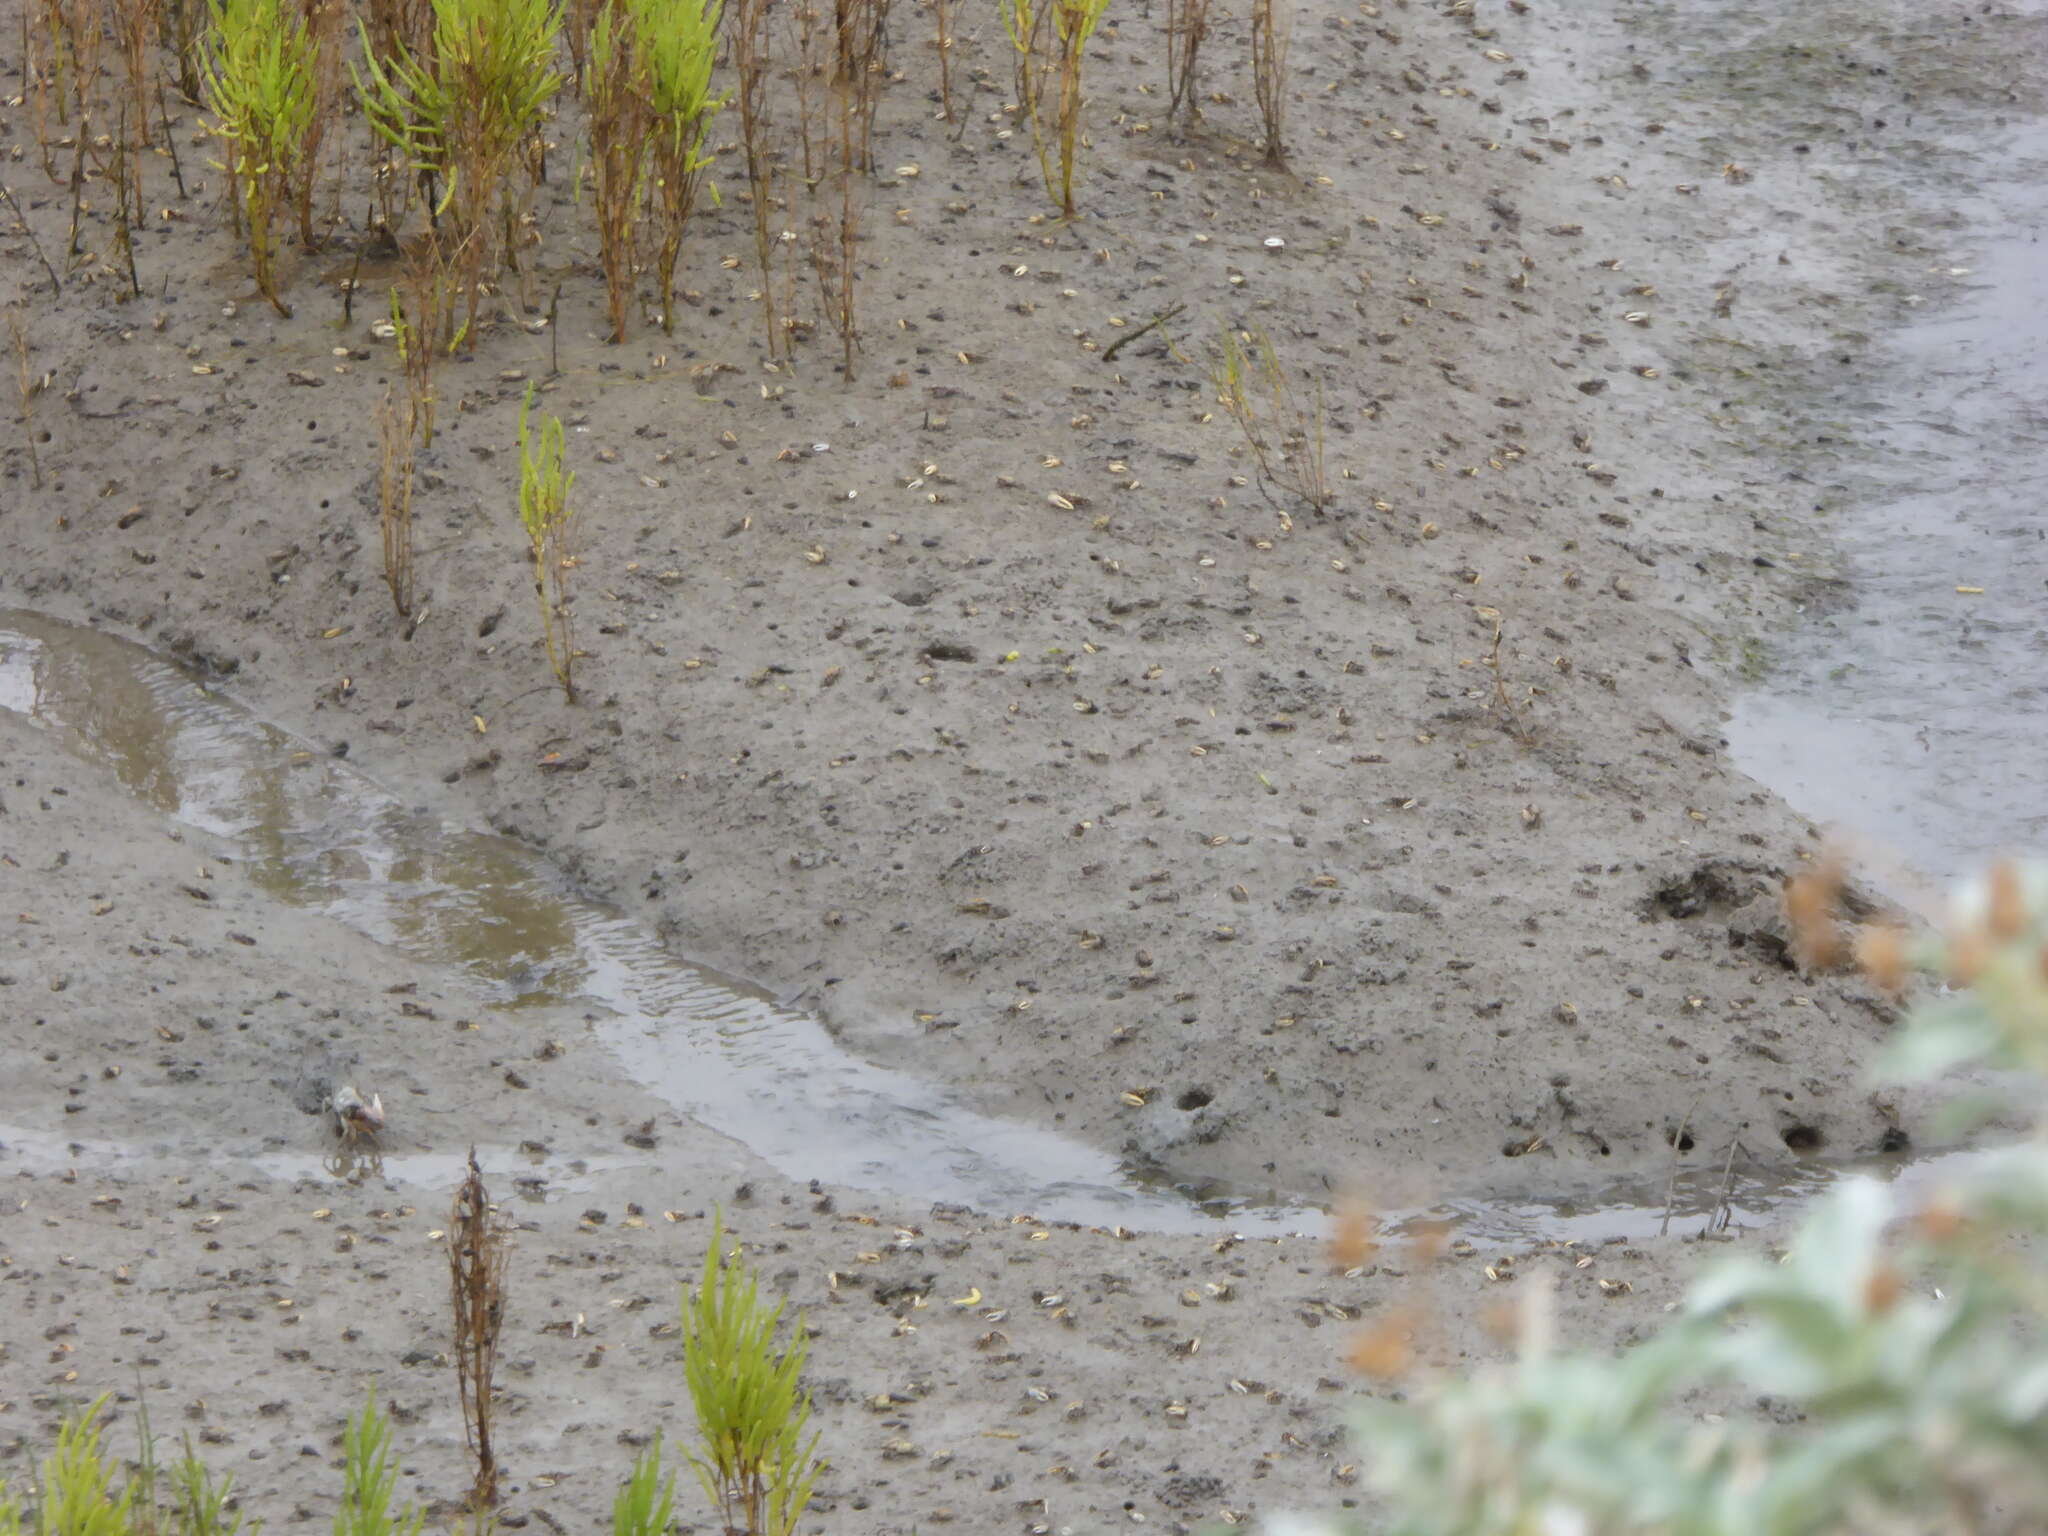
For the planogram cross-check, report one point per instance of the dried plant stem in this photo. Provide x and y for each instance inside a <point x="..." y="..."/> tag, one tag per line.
<point x="424" y="318"/>
<point x="181" y="28"/>
<point x="1029" y="23"/>
<point x="323" y="26"/>
<point x="835" y="226"/>
<point x="478" y="1251"/>
<point x="396" y="26"/>
<point x="943" y="21"/>
<point x="123" y="174"/>
<point x="1187" y="28"/>
<point x="28" y="386"/>
<point x="1671" y="1184"/>
<point x="163" y="111"/>
<point x="617" y="119"/>
<point x="38" y="89"/>
<point x="1283" y="429"/>
<point x="136" y="25"/>
<point x="1512" y="719"/>
<point x="750" y="45"/>
<point x="1272" y="32"/>
<point x="395" y="478"/>
<point x="1109" y="353"/>
<point x="7" y="194"/>
<point x="863" y="31"/>
<point x="579" y="22"/>
<point x="75" y="31"/>
<point x="78" y="180"/>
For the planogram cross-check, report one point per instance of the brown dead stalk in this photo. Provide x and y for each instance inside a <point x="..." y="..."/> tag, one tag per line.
<point x="618" y="121"/>
<point x="1187" y="28"/>
<point x="478" y="1250"/>
<point x="395" y="477"/>
<point x="751" y="43"/>
<point x="1513" y="718"/>
<point x="943" y="23"/>
<point x="136" y="25"/>
<point x="29" y="387"/>
<point x="1272" y="32"/>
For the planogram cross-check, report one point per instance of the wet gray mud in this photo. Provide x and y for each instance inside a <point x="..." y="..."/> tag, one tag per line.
<point x="1910" y="405"/>
<point x="319" y="834"/>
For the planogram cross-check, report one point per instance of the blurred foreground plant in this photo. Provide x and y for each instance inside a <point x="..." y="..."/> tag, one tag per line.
<point x="1907" y="1337"/>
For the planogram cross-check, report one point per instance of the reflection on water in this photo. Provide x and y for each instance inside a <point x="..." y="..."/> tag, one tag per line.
<point x="1916" y="719"/>
<point x="319" y="834"/>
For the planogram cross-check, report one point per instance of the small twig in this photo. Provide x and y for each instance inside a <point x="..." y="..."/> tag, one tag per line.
<point x="1724" y="1212"/>
<point x="555" y="333"/>
<point x="1511" y="717"/>
<point x="348" y="294"/>
<point x="26" y="382"/>
<point x="1154" y="323"/>
<point x="78" y="183"/>
<point x="1671" y="1187"/>
<point x="124" y="231"/>
<point x="8" y="193"/>
<point x="171" y="142"/>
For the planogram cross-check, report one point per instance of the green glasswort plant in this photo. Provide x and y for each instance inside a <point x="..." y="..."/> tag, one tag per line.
<point x="1282" y="425"/>
<point x="675" y="42"/>
<point x="1074" y="22"/>
<point x="371" y="1479"/>
<point x="1050" y="39"/>
<point x="262" y="69"/>
<point x="77" y="1496"/>
<point x="200" y="1502"/>
<point x="1906" y="1334"/>
<point x="545" y="513"/>
<point x="645" y="1503"/>
<point x="460" y="113"/>
<point x="755" y="1463"/>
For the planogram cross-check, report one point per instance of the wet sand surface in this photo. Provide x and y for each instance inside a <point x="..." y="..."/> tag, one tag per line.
<point x="1211" y="844"/>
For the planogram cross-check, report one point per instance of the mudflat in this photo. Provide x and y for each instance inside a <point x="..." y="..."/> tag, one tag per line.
<point x="990" y="709"/>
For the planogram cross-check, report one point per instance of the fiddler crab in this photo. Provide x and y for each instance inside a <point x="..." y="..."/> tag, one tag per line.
<point x="357" y="1119"/>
